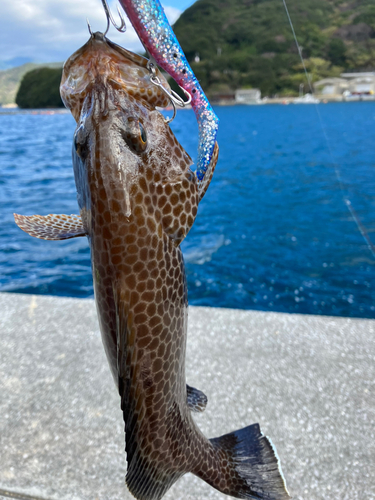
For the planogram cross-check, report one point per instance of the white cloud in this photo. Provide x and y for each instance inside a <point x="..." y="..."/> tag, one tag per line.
<point x="172" y="13"/>
<point x="51" y="30"/>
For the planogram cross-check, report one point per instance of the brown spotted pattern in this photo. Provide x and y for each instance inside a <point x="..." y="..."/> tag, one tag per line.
<point x="138" y="200"/>
<point x="140" y="289"/>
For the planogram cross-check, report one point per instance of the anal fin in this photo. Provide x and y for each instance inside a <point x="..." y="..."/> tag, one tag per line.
<point x="196" y="400"/>
<point x="52" y="226"/>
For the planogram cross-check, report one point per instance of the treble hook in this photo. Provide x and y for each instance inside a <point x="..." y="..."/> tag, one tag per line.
<point x="172" y="95"/>
<point x="121" y="28"/>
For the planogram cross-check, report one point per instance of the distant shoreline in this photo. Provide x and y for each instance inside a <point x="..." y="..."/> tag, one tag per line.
<point x="22" y="111"/>
<point x="11" y="110"/>
<point x="291" y="100"/>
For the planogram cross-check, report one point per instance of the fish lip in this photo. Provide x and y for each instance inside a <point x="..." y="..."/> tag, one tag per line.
<point x="98" y="35"/>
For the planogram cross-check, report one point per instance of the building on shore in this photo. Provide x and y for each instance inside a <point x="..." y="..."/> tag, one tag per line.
<point x="247" y="96"/>
<point x="349" y="85"/>
<point x="331" y="86"/>
<point x="224" y="98"/>
<point x="239" y="96"/>
<point x="360" y="83"/>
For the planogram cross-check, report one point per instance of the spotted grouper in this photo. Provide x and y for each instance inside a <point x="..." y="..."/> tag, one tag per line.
<point x="138" y="199"/>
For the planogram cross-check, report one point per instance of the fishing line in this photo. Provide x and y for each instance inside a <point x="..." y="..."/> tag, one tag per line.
<point x="347" y="202"/>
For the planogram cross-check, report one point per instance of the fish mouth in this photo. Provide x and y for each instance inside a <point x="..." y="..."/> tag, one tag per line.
<point x="102" y="62"/>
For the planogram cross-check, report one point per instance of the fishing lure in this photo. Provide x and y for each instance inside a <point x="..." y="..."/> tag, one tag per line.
<point x="151" y="24"/>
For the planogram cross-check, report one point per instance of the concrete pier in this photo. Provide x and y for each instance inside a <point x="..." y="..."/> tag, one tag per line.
<point x="309" y="381"/>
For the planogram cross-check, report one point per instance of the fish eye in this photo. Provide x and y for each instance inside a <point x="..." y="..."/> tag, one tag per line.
<point x="135" y="136"/>
<point x="143" y="133"/>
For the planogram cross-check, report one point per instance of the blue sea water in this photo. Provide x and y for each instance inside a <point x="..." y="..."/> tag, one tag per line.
<point x="272" y="233"/>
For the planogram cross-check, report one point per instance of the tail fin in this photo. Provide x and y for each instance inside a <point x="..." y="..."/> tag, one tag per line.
<point x="248" y="466"/>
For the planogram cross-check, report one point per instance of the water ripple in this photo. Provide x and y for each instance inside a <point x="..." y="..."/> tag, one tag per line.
<point x="272" y="233"/>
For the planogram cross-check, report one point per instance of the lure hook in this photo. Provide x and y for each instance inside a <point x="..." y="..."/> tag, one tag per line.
<point x="122" y="27"/>
<point x="172" y="95"/>
<point x="89" y="26"/>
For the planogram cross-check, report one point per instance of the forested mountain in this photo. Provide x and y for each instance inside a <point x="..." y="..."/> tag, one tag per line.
<point x="249" y="43"/>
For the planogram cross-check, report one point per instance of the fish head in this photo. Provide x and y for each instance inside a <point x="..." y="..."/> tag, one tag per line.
<point x="102" y="62"/>
<point x="121" y="141"/>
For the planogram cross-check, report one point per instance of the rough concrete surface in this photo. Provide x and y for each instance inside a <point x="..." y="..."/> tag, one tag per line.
<point x="308" y="380"/>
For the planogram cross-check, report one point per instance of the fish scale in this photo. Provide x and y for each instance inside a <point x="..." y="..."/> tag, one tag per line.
<point x="138" y="199"/>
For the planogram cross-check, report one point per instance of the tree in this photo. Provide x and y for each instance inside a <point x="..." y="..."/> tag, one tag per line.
<point x="40" y="89"/>
<point x="337" y="52"/>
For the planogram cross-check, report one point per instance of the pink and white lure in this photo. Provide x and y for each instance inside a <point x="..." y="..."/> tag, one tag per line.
<point x="151" y="24"/>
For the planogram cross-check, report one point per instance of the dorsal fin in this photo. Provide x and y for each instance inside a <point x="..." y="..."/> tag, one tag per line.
<point x="52" y="226"/>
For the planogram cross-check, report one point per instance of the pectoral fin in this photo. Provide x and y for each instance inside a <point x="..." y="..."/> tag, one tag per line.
<point x="196" y="400"/>
<point x="52" y="226"/>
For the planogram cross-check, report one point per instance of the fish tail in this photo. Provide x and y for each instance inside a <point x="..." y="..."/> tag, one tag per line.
<point x="244" y="464"/>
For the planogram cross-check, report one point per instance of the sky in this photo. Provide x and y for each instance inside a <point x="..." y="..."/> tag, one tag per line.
<point x="51" y="30"/>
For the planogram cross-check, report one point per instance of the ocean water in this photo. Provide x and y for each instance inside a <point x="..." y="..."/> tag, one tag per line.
<point x="273" y="232"/>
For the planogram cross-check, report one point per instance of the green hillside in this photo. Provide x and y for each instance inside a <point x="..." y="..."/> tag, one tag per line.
<point x="10" y="80"/>
<point x="249" y="43"/>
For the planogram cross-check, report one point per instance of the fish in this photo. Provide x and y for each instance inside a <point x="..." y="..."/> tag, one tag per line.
<point x="152" y="26"/>
<point x="138" y="199"/>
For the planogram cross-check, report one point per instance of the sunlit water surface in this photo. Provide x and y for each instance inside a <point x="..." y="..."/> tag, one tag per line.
<point x="272" y="233"/>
